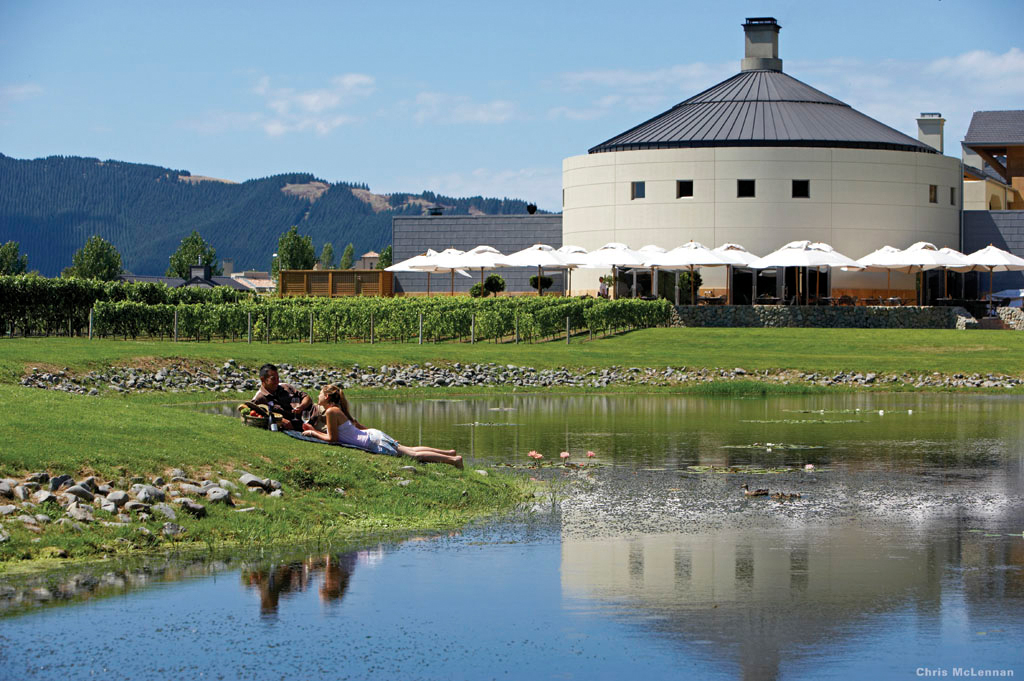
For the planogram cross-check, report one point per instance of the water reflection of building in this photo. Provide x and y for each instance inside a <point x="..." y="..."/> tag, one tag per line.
<point x="766" y="595"/>
<point x="275" y="581"/>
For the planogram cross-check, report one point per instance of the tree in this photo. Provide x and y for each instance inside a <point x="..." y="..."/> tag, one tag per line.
<point x="346" y="257"/>
<point x="192" y="250"/>
<point x="544" y="281"/>
<point x="494" y="284"/>
<point x="327" y="256"/>
<point x="97" y="259"/>
<point x="294" y="252"/>
<point x="385" y="259"/>
<point x="10" y="261"/>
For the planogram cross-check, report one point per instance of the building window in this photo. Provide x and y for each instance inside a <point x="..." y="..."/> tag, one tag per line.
<point x="801" y="189"/>
<point x="952" y="196"/>
<point x="933" y="193"/>
<point x="637" y="190"/>
<point x="684" y="189"/>
<point x="744" y="189"/>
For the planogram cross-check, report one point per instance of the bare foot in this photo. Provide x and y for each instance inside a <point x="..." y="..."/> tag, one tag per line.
<point x="458" y="462"/>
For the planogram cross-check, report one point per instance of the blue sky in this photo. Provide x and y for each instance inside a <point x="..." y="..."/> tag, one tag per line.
<point x="462" y="98"/>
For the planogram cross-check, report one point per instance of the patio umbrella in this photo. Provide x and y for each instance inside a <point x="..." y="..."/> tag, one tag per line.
<point x="738" y="257"/>
<point x="924" y="256"/>
<point x="994" y="260"/>
<point x="445" y="261"/>
<point x="410" y="264"/>
<point x="688" y="256"/>
<point x="805" y="254"/>
<point x="539" y="256"/>
<point x="614" y="255"/>
<point x="884" y="259"/>
<point x="965" y="266"/>
<point x="574" y="254"/>
<point x="651" y="249"/>
<point x="483" y="258"/>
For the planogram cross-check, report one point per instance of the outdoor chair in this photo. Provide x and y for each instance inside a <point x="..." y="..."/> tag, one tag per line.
<point x="872" y="301"/>
<point x="847" y="300"/>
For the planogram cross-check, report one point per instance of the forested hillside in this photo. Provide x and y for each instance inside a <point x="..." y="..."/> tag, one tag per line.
<point x="51" y="206"/>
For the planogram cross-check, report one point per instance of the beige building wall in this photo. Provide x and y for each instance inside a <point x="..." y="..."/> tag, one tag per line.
<point x="860" y="200"/>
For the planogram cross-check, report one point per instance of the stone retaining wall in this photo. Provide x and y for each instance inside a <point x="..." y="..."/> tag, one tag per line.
<point x="852" y="317"/>
<point x="1013" y="317"/>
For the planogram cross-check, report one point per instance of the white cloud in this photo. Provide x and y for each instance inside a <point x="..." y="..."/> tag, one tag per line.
<point x="436" y="107"/>
<point x="289" y="110"/>
<point x="19" y="92"/>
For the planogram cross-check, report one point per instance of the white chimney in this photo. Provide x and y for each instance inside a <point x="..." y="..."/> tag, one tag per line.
<point x="762" y="45"/>
<point x="929" y="130"/>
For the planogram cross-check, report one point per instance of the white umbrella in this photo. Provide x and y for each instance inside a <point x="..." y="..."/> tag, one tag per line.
<point x="690" y="255"/>
<point x="650" y="250"/>
<point x="805" y="254"/>
<point x="445" y="261"/>
<point x="573" y="254"/>
<point x="963" y="266"/>
<point x="483" y="258"/>
<point x="886" y="258"/>
<point x="924" y="256"/>
<point x="737" y="257"/>
<point x="613" y="255"/>
<point x="412" y="265"/>
<point x="994" y="260"/>
<point x="539" y="256"/>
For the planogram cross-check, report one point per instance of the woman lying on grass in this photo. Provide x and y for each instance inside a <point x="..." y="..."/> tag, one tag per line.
<point x="343" y="428"/>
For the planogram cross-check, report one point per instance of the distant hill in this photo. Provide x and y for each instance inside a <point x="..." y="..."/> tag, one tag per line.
<point x="51" y="206"/>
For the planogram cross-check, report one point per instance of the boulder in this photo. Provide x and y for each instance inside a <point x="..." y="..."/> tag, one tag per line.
<point x="172" y="530"/>
<point x="149" y="494"/>
<point x="44" y="497"/>
<point x="79" y="492"/>
<point x="250" y="480"/>
<point x="40" y="478"/>
<point x="219" y="495"/>
<point x="79" y="512"/>
<point x="7" y="509"/>
<point x="118" y="498"/>
<point x="187" y="488"/>
<point x="166" y="511"/>
<point x="193" y="508"/>
<point x="6" y="490"/>
<point x="137" y="506"/>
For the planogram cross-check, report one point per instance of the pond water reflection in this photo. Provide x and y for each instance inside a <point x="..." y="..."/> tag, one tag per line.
<point x="903" y="553"/>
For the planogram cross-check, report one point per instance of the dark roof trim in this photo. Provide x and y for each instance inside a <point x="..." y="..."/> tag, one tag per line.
<point x="831" y="144"/>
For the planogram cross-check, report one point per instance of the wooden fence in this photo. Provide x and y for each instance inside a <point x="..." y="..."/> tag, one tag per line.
<point x="335" y="283"/>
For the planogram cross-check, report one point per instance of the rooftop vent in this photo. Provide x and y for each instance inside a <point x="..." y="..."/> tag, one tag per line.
<point x="929" y="130"/>
<point x="761" y="45"/>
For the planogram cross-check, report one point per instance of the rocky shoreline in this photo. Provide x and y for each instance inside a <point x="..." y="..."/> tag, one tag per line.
<point x="40" y="499"/>
<point x="232" y="377"/>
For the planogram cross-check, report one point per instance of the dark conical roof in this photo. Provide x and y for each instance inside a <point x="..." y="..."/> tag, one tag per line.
<point x="758" y="109"/>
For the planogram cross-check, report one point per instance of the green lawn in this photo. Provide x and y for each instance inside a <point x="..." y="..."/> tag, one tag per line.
<point x="880" y="350"/>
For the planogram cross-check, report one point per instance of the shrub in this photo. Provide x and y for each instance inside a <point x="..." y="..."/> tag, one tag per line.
<point x="545" y="282"/>
<point x="477" y="290"/>
<point x="494" y="284"/>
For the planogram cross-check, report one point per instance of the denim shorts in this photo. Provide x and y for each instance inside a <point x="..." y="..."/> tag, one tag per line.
<point x="381" y="443"/>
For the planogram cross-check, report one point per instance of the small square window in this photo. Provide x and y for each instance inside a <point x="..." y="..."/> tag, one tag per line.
<point x="637" y="190"/>
<point x="952" y="196"/>
<point x="684" y="189"/>
<point x="744" y="189"/>
<point x="801" y="189"/>
<point x="933" y="193"/>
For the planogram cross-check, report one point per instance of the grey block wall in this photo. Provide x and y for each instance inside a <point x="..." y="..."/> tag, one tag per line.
<point x="1001" y="228"/>
<point x="412" y="236"/>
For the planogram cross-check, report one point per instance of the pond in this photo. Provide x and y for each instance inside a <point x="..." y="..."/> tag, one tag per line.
<point x="902" y="557"/>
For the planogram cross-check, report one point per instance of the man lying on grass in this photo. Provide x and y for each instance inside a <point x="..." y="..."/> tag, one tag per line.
<point x="287" y="398"/>
<point x="343" y="428"/>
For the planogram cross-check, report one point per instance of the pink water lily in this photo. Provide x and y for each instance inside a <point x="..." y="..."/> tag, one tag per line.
<point x="534" y="454"/>
<point x="564" y="455"/>
<point x="591" y="455"/>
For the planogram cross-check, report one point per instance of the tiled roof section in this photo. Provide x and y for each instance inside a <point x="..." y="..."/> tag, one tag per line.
<point x="762" y="108"/>
<point x="984" y="173"/>
<point x="996" y="128"/>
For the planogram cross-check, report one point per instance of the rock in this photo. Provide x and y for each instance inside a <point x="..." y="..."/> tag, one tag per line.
<point x="44" y="497"/>
<point x="89" y="483"/>
<point x="166" y="511"/>
<point x="52" y="552"/>
<point x="6" y="490"/>
<point x="219" y="495"/>
<point x="177" y="473"/>
<point x="227" y="484"/>
<point x="250" y="480"/>
<point x="27" y="520"/>
<point x="159" y="482"/>
<point x="277" y="493"/>
<point x="245" y="510"/>
<point x="8" y="509"/>
<point x="79" y="512"/>
<point x="404" y="483"/>
<point x="186" y="488"/>
<point x="4" y="536"/>
<point x="149" y="494"/>
<point x="68" y="522"/>
<point x="482" y="472"/>
<point x="108" y="507"/>
<point x="172" y="530"/>
<point x="118" y="498"/>
<point x="271" y="484"/>
<point x="21" y="493"/>
<point x="144" y="531"/>
<point x="410" y="469"/>
<point x="340" y="491"/>
<point x="42" y="518"/>
<point x="40" y="478"/>
<point x="193" y="508"/>
<point x="137" y="506"/>
<point x="79" y="492"/>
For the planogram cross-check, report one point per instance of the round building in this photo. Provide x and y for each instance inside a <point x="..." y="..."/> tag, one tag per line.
<point x="762" y="159"/>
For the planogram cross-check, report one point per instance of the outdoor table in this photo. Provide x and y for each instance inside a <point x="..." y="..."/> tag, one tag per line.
<point x="767" y="300"/>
